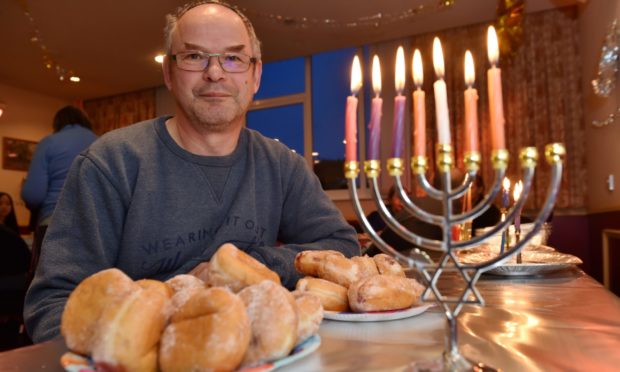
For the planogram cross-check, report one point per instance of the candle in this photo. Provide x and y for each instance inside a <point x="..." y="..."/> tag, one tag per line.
<point x="516" y="194"/>
<point x="471" y="106"/>
<point x="351" y="112"/>
<point x="375" y="112"/>
<point x="496" y="106"/>
<point x="441" y="96"/>
<point x="505" y="193"/>
<point x="419" y="109"/>
<point x="398" y="145"/>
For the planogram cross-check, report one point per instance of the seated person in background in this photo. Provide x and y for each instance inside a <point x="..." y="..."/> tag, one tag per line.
<point x="7" y="213"/>
<point x="394" y="205"/>
<point x="158" y="198"/>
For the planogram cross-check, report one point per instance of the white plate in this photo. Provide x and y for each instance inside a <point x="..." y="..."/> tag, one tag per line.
<point x="76" y="363"/>
<point x="377" y="316"/>
<point x="525" y="269"/>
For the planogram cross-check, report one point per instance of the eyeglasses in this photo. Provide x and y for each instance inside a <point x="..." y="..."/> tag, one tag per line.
<point x="196" y="60"/>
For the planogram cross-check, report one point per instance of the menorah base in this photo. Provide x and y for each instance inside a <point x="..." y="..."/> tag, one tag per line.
<point x="450" y="362"/>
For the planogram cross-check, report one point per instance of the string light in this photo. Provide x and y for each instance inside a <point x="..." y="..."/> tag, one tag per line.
<point x="49" y="62"/>
<point x="371" y="20"/>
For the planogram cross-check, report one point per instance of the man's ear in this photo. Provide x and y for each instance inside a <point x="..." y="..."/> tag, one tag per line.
<point x="258" y="72"/>
<point x="166" y="70"/>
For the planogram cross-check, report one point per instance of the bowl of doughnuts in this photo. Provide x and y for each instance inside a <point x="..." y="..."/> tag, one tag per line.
<point x="360" y="284"/>
<point x="239" y="317"/>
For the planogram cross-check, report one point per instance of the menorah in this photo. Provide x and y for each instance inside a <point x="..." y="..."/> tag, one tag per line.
<point x="449" y="262"/>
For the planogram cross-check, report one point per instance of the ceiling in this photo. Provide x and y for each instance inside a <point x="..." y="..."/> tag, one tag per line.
<point x="110" y="44"/>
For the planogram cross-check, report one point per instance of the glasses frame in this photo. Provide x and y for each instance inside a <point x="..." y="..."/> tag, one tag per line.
<point x="208" y="57"/>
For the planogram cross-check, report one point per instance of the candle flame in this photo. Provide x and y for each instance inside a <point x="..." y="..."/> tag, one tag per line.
<point x="356" y="76"/>
<point x="376" y="75"/>
<point x="418" y="70"/>
<point x="438" y="58"/>
<point x="492" y="46"/>
<point x="470" y="72"/>
<point x="506" y="184"/>
<point x="399" y="76"/>
<point x="516" y="193"/>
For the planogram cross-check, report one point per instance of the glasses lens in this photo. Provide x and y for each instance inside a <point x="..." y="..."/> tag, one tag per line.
<point x="234" y="62"/>
<point x="192" y="61"/>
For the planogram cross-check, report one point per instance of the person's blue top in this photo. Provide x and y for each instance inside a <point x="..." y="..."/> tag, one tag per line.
<point x="50" y="164"/>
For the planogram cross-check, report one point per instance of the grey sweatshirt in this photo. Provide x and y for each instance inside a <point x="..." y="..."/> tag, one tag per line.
<point x="137" y="201"/>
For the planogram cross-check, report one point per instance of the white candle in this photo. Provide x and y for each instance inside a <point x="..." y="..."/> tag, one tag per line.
<point x="441" y="95"/>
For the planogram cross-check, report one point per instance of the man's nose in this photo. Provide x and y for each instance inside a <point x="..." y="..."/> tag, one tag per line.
<point x="213" y="71"/>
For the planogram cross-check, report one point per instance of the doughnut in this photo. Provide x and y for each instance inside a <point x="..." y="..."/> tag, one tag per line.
<point x="235" y="269"/>
<point x="273" y="319"/>
<point x="340" y="270"/>
<point x="183" y="287"/>
<point x="308" y="262"/>
<point x="210" y="331"/>
<point x="310" y="312"/>
<point x="155" y="285"/>
<point x="387" y="265"/>
<point x="201" y="271"/>
<point x="87" y="302"/>
<point x="333" y="296"/>
<point x="366" y="264"/>
<point x="129" y="331"/>
<point x="382" y="293"/>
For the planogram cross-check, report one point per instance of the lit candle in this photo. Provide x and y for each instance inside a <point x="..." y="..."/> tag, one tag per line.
<point x="496" y="106"/>
<point x="375" y="111"/>
<point x="441" y="95"/>
<point x="351" y="112"/>
<point x="419" y="109"/>
<point x="516" y="194"/>
<point x="471" y="106"/>
<point x="398" y="146"/>
<point x="506" y="193"/>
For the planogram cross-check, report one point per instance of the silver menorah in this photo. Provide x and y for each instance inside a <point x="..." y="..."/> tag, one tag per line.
<point x="448" y="262"/>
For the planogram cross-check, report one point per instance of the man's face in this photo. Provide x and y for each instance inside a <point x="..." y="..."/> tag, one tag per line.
<point x="211" y="99"/>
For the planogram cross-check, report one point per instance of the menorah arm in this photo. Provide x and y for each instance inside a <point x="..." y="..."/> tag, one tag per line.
<point x="413" y="208"/>
<point x="396" y="226"/>
<point x="485" y="203"/>
<point x="543" y="215"/>
<point x="376" y="239"/>
<point x="527" y="185"/>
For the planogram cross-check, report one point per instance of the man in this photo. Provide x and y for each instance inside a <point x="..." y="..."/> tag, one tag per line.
<point x="158" y="198"/>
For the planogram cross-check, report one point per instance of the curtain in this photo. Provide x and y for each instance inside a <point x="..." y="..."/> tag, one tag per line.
<point x="121" y="110"/>
<point x="541" y="92"/>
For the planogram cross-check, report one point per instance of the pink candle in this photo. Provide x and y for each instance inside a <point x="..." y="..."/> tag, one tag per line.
<point x="441" y="95"/>
<point x="398" y="146"/>
<point x="496" y="106"/>
<point x="350" y="128"/>
<point x="375" y="112"/>
<point x="471" y="106"/>
<point x="419" y="108"/>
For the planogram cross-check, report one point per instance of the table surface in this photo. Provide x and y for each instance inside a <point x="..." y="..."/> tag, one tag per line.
<point x="558" y="322"/>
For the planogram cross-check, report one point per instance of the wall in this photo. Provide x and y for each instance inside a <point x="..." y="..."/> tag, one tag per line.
<point x="27" y="116"/>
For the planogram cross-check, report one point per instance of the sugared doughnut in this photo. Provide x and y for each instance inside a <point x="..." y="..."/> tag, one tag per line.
<point x="210" y="331"/>
<point x="387" y="265"/>
<point x="308" y="262"/>
<point x="273" y="319"/>
<point x="366" y="264"/>
<point x="183" y="287"/>
<point x="382" y="293"/>
<point x="340" y="270"/>
<point x="129" y="331"/>
<point x="156" y="285"/>
<point x="333" y="296"/>
<point x="235" y="269"/>
<point x="310" y="313"/>
<point x="86" y="304"/>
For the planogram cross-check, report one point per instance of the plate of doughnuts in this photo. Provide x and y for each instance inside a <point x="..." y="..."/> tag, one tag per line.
<point x="72" y="362"/>
<point x="377" y="316"/>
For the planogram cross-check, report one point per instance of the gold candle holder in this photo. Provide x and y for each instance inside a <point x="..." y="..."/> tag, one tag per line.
<point x="499" y="158"/>
<point x="372" y="168"/>
<point x="444" y="157"/>
<point x="419" y="164"/>
<point x="351" y="169"/>
<point x="395" y="167"/>
<point x="472" y="160"/>
<point x="555" y="153"/>
<point x="528" y="157"/>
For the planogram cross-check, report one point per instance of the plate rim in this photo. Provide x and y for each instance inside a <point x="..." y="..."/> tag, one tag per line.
<point x="378" y="316"/>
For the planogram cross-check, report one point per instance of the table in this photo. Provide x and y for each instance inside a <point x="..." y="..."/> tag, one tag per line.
<point x="562" y="321"/>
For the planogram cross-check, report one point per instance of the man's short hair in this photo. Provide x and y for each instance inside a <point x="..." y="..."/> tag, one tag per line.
<point x="172" y="20"/>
